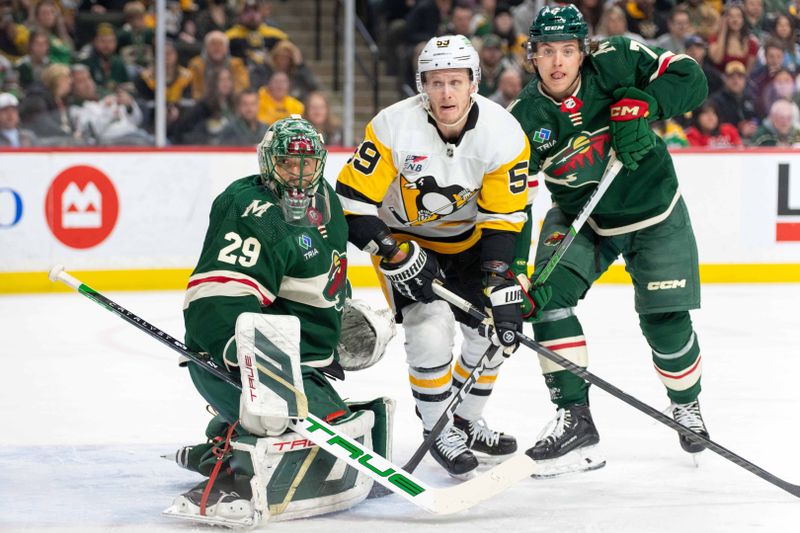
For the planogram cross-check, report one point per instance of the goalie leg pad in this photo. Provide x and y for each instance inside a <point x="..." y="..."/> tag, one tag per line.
<point x="268" y="352"/>
<point x="295" y="479"/>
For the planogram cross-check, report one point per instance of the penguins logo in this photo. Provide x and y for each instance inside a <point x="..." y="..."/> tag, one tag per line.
<point x="425" y="201"/>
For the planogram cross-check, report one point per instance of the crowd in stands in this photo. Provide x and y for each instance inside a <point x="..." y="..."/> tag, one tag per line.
<point x="81" y="72"/>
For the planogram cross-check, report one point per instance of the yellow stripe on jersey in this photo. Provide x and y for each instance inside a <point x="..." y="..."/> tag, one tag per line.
<point x="371" y="170"/>
<point x="505" y="191"/>
<point x="442" y="247"/>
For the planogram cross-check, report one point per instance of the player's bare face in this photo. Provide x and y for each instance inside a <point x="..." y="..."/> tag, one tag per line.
<point x="449" y="94"/>
<point x="297" y="172"/>
<point x="559" y="65"/>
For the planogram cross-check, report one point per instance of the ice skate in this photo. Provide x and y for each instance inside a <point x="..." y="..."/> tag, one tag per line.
<point x="480" y="438"/>
<point x="181" y="456"/>
<point x="568" y="444"/>
<point x="450" y="450"/>
<point x="228" y="503"/>
<point x="688" y="415"/>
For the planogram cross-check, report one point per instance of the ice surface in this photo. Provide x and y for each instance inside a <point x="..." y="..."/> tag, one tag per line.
<point x="89" y="404"/>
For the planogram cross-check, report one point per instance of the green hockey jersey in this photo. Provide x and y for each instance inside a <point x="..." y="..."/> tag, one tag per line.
<point x="253" y="261"/>
<point x="570" y="140"/>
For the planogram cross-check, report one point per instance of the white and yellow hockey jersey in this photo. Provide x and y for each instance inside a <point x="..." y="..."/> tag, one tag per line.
<point x="441" y="194"/>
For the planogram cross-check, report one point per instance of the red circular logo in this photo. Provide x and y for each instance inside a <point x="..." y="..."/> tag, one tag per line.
<point x="81" y="207"/>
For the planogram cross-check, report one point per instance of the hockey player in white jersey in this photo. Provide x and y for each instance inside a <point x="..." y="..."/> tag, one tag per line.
<point x="438" y="190"/>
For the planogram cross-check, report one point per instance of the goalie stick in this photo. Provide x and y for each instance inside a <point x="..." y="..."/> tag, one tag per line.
<point x="612" y="169"/>
<point x="467" y="307"/>
<point x="435" y="500"/>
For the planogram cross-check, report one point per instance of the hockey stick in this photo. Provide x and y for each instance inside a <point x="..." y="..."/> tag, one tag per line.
<point x="612" y="169"/>
<point x="473" y="311"/>
<point x="435" y="500"/>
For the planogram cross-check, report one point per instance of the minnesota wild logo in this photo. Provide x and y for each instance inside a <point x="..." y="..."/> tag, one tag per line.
<point x="336" y="288"/>
<point x="581" y="161"/>
<point x="554" y="239"/>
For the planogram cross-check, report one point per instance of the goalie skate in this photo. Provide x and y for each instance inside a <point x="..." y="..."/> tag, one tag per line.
<point x="227" y="504"/>
<point x="568" y="444"/>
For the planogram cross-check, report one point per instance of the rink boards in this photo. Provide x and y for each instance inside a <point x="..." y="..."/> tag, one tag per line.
<point x="135" y="219"/>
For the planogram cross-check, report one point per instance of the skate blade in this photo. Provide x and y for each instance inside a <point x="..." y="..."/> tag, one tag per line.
<point x="491" y="460"/>
<point x="581" y="460"/>
<point x="174" y="512"/>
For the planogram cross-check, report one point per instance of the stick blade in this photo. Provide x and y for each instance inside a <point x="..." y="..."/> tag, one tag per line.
<point x="484" y="486"/>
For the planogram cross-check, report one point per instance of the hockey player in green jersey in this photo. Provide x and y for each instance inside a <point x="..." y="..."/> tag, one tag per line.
<point x="266" y="301"/>
<point x="585" y="100"/>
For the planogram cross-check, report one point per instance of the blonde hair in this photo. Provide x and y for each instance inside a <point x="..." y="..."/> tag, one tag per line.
<point x="52" y="74"/>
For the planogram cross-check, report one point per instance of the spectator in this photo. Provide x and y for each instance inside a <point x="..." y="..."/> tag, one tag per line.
<point x="782" y="86"/>
<point x="204" y="123"/>
<point x="251" y="38"/>
<point x="426" y="19"/>
<point x="13" y="36"/>
<point x="734" y="105"/>
<point x="113" y="120"/>
<point x="703" y="16"/>
<point x="47" y="17"/>
<point x="733" y="41"/>
<point x="614" y="23"/>
<point x="244" y="129"/>
<point x="696" y="49"/>
<point x="461" y="20"/>
<point x="492" y="64"/>
<point x="643" y="19"/>
<point x="30" y="67"/>
<point x="179" y="88"/>
<point x="11" y="135"/>
<point x="107" y="67"/>
<point x="680" y="28"/>
<point x="762" y="76"/>
<point x="274" y="102"/>
<point x="216" y="55"/>
<point x="9" y="77"/>
<point x="514" y="44"/>
<point x="286" y="57"/>
<point x="592" y="11"/>
<point x="754" y="17"/>
<point x="670" y="132"/>
<point x="216" y="17"/>
<point x="318" y="113"/>
<point x="135" y="40"/>
<point x="779" y="129"/>
<point x="508" y="87"/>
<point x="707" y="131"/>
<point x="45" y="109"/>
<point x="783" y="32"/>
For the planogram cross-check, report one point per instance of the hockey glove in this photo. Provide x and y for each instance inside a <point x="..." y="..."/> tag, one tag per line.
<point x="413" y="276"/>
<point x="505" y="299"/>
<point x="631" y="136"/>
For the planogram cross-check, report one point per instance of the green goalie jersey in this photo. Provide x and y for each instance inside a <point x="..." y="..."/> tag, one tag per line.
<point x="253" y="261"/>
<point x="570" y="140"/>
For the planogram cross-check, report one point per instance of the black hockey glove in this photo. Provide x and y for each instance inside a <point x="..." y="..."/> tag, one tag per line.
<point x="505" y="297"/>
<point x="631" y="135"/>
<point x="413" y="276"/>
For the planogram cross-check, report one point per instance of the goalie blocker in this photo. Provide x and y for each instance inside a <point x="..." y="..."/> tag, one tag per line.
<point x="289" y="477"/>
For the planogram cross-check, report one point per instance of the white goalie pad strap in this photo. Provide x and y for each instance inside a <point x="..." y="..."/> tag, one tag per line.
<point x="268" y="453"/>
<point x="365" y="334"/>
<point x="268" y="352"/>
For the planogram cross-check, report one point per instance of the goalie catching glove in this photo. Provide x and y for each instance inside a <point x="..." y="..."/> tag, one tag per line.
<point x="413" y="275"/>
<point x="631" y="135"/>
<point x="365" y="334"/>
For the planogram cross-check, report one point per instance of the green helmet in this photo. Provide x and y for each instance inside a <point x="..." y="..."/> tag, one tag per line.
<point x="291" y="158"/>
<point x="559" y="23"/>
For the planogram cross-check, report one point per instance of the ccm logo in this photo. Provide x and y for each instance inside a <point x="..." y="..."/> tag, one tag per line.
<point x="626" y="111"/>
<point x="662" y="285"/>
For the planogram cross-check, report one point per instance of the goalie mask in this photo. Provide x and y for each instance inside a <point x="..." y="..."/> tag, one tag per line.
<point x="291" y="158"/>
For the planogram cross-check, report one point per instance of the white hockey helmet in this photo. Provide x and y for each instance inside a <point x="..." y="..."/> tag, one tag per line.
<point x="448" y="51"/>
